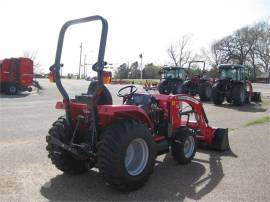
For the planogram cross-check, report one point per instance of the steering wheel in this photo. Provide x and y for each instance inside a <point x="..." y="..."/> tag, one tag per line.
<point x="133" y="89"/>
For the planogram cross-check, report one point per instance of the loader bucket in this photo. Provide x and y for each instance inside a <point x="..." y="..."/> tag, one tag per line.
<point x="256" y="97"/>
<point x="220" y="141"/>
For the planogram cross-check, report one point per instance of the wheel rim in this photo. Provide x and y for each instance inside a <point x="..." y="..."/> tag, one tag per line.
<point x="189" y="146"/>
<point x="137" y="155"/>
<point x="12" y="89"/>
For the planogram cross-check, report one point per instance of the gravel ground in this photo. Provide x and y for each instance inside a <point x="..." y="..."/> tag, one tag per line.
<point x="27" y="174"/>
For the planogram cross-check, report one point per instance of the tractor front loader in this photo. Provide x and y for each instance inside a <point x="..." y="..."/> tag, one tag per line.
<point x="122" y="141"/>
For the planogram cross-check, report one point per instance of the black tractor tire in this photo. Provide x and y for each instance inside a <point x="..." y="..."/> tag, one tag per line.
<point x="184" y="145"/>
<point x="11" y="89"/>
<point x="205" y="91"/>
<point x="113" y="151"/>
<point x="238" y="95"/>
<point x="62" y="159"/>
<point x="161" y="90"/>
<point x="178" y="88"/>
<point x="217" y="97"/>
<point x="186" y="88"/>
<point x="229" y="99"/>
<point x="247" y="97"/>
<point x="2" y="89"/>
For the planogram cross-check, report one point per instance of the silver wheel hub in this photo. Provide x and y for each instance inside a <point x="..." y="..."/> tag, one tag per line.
<point x="189" y="147"/>
<point x="137" y="155"/>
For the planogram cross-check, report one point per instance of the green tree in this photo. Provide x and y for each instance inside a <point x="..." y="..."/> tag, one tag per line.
<point x="151" y="71"/>
<point x="122" y="71"/>
<point x="134" y="71"/>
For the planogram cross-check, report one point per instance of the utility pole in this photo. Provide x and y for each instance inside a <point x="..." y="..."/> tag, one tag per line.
<point x="79" y="76"/>
<point x="141" y="57"/>
<point x="84" y="66"/>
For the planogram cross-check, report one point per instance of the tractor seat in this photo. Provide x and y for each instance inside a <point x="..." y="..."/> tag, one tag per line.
<point x="105" y="96"/>
<point x="141" y="100"/>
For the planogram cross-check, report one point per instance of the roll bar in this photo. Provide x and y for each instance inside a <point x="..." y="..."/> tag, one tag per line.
<point x="98" y="66"/>
<point x="196" y="61"/>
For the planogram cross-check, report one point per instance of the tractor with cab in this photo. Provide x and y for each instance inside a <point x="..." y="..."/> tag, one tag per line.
<point x="123" y="141"/>
<point x="171" y="80"/>
<point x="233" y="86"/>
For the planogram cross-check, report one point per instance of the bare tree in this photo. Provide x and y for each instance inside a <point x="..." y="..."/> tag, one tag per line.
<point x="34" y="57"/>
<point x="263" y="47"/>
<point x="180" y="53"/>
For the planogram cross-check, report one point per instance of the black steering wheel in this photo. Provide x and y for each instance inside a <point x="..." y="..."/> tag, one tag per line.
<point x="133" y="89"/>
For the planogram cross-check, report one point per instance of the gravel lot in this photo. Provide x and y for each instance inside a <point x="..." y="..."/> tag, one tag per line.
<point x="243" y="174"/>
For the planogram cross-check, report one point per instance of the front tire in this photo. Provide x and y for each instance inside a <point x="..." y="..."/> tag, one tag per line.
<point x="217" y="97"/>
<point x="238" y="94"/>
<point x="126" y="155"/>
<point x="62" y="159"/>
<point x="205" y="91"/>
<point x="11" y="89"/>
<point x="184" y="145"/>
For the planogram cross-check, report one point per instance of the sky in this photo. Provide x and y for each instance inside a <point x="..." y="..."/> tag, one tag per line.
<point x="135" y="27"/>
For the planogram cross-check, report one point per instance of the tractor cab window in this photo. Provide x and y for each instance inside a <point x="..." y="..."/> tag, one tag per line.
<point x="228" y="73"/>
<point x="174" y="73"/>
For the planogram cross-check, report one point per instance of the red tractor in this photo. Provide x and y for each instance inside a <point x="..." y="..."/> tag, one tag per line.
<point x="122" y="141"/>
<point x="16" y="74"/>
<point x="198" y="84"/>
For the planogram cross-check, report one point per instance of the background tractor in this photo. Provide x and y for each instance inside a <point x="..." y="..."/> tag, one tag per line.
<point x="171" y="80"/>
<point x="16" y="74"/>
<point x="122" y="141"/>
<point x="234" y="86"/>
<point x="198" y="84"/>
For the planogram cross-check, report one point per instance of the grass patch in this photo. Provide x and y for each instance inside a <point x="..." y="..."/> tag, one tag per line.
<point x="262" y="120"/>
<point x="142" y="82"/>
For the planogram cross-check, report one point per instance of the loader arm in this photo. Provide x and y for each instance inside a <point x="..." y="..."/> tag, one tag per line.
<point x="214" y="137"/>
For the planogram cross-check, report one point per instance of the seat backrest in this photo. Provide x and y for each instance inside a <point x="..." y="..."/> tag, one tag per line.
<point x="105" y="97"/>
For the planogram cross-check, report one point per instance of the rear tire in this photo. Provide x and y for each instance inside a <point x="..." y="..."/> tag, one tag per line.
<point x="217" y="97"/>
<point x="126" y="155"/>
<point x="161" y="90"/>
<point x="11" y="89"/>
<point x="205" y="91"/>
<point x="62" y="159"/>
<point x="186" y="87"/>
<point x="247" y="97"/>
<point x="184" y="145"/>
<point x="179" y="88"/>
<point x="238" y="95"/>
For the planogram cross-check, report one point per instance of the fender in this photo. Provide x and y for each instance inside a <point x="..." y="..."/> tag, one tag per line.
<point x="110" y="113"/>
